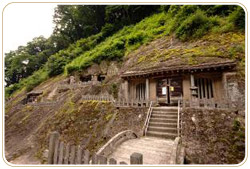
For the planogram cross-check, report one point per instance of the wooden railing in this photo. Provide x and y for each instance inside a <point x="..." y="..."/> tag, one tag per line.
<point x="115" y="141"/>
<point x="65" y="154"/>
<point x="47" y="103"/>
<point x="178" y="118"/>
<point x="79" y="84"/>
<point x="131" y="103"/>
<point x="107" y="98"/>
<point x="205" y="103"/>
<point x="145" y="127"/>
<point x="118" y="102"/>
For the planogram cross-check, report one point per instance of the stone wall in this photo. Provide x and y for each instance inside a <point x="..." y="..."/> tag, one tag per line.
<point x="213" y="136"/>
<point x="235" y="89"/>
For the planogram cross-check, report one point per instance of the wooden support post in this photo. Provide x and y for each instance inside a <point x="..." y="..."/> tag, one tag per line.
<point x="94" y="159"/>
<point x="86" y="157"/>
<point x="123" y="163"/>
<point x="55" y="161"/>
<point x="102" y="160"/>
<point x="79" y="155"/>
<point x="66" y="157"/>
<point x="126" y="89"/>
<point x="72" y="154"/>
<point x="112" y="161"/>
<point x="61" y="148"/>
<point x="136" y="158"/>
<point x="147" y="89"/>
<point x="53" y="137"/>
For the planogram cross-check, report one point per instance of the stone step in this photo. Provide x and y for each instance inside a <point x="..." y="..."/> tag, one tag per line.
<point x="166" y="108"/>
<point x="165" y="112"/>
<point x="158" y="124"/>
<point x="163" y="129"/>
<point x="163" y="150"/>
<point x="161" y="134"/>
<point x="148" y="157"/>
<point x="158" y="140"/>
<point x="162" y="120"/>
<point x="155" y="150"/>
<point x="148" y="145"/>
<point x="147" y="142"/>
<point x="164" y="116"/>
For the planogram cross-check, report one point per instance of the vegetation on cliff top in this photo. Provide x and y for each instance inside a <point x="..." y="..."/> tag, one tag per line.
<point x="186" y="22"/>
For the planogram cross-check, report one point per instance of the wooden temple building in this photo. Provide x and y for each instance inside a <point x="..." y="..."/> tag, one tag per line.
<point x="176" y="79"/>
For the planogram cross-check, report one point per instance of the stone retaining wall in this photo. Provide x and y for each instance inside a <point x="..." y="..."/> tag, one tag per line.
<point x="213" y="136"/>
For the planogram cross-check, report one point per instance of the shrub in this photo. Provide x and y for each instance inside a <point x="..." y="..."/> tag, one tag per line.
<point x="194" y="26"/>
<point x="55" y="65"/>
<point x="218" y="10"/>
<point x="237" y="17"/>
<point x="136" y="38"/>
<point x="164" y="8"/>
<point x="108" y="29"/>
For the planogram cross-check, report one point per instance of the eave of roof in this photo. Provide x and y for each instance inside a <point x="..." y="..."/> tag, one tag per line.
<point x="183" y="68"/>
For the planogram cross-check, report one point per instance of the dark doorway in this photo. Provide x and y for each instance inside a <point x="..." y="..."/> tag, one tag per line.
<point x="169" y="90"/>
<point x="163" y="91"/>
<point x="85" y="78"/>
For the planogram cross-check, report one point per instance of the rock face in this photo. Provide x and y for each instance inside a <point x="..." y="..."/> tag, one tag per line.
<point x="235" y="90"/>
<point x="213" y="136"/>
<point x="113" y="69"/>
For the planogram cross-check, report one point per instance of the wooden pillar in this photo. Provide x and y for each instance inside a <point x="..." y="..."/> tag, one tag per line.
<point x="52" y="140"/>
<point x="136" y="158"/>
<point x="112" y="161"/>
<point x="126" y="89"/>
<point x="147" y="89"/>
<point x="193" y="87"/>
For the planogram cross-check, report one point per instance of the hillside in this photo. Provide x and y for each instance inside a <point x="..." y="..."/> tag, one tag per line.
<point x="180" y="36"/>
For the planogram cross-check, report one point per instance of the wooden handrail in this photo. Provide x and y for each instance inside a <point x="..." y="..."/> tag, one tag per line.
<point x="178" y="120"/>
<point x="147" y="119"/>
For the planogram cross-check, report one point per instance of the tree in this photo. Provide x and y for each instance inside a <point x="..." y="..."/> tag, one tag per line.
<point x="78" y="21"/>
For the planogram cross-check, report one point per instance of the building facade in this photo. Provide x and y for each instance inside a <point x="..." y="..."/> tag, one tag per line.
<point x="167" y="85"/>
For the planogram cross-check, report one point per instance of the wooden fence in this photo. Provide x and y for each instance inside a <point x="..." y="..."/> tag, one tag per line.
<point x="131" y="103"/>
<point x="79" y="84"/>
<point x="51" y="103"/>
<point x="61" y="153"/>
<point x="205" y="103"/>
<point x="119" y="102"/>
<point x="108" y="98"/>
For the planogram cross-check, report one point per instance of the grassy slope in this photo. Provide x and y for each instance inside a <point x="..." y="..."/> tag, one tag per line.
<point x="96" y="48"/>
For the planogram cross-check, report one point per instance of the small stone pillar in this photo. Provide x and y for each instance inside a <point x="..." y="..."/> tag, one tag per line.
<point x="72" y="80"/>
<point x="126" y="89"/>
<point x="147" y="89"/>
<point x="94" y="78"/>
<point x="194" y="92"/>
<point x="193" y="88"/>
<point x="52" y="140"/>
<point x="136" y="158"/>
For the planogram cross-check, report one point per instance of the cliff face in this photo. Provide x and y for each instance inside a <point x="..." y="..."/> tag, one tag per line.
<point x="214" y="136"/>
<point x="87" y="123"/>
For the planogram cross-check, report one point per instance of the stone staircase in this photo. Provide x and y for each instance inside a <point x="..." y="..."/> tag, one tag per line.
<point x="160" y="145"/>
<point x="163" y="122"/>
